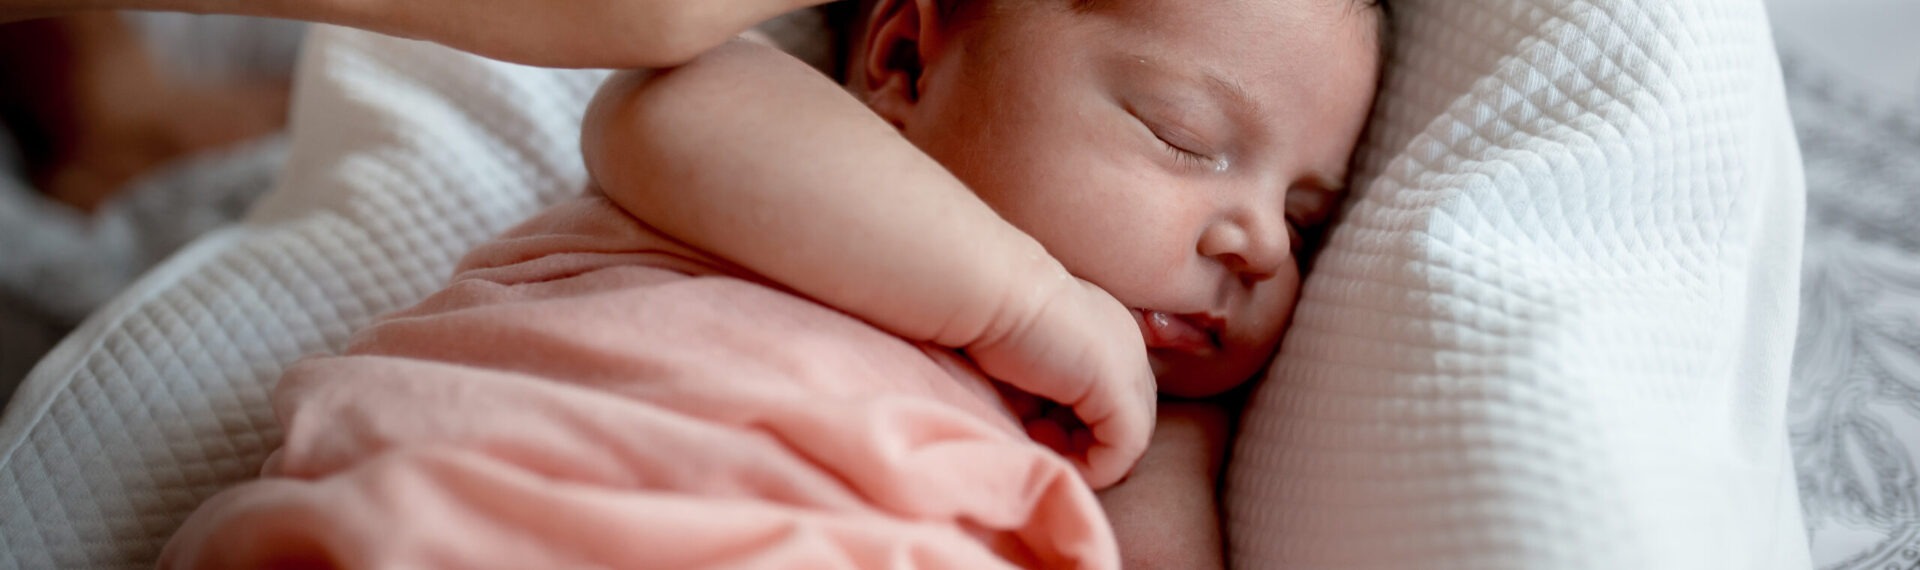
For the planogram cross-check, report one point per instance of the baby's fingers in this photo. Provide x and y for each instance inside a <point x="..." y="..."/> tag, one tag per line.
<point x="1119" y="420"/>
<point x="1097" y="438"/>
<point x="1084" y="353"/>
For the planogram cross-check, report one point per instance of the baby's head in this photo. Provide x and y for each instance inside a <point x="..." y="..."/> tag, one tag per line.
<point x="1178" y="153"/>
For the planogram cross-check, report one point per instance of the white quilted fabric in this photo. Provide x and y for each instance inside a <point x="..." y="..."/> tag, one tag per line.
<point x="1552" y="333"/>
<point x="1554" y="329"/>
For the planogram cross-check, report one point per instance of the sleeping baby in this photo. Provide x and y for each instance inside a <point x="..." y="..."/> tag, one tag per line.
<point x="913" y="319"/>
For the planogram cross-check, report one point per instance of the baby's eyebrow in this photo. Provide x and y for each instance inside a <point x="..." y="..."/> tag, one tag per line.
<point x="1221" y="86"/>
<point x="1230" y="90"/>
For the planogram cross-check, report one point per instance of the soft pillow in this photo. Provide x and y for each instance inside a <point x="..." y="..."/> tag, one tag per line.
<point x="1554" y="327"/>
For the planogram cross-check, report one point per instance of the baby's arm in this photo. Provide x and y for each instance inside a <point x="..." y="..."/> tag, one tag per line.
<point x="748" y="154"/>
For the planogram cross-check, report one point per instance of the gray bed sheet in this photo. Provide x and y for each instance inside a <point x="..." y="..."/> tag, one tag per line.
<point x="1853" y="80"/>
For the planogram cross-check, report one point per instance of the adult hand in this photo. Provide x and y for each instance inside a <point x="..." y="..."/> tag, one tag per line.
<point x="553" y="33"/>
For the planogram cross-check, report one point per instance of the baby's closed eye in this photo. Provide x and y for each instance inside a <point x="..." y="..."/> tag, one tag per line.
<point x="1180" y="132"/>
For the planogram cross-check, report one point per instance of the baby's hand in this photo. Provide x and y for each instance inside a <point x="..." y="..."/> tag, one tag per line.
<point x="1082" y="349"/>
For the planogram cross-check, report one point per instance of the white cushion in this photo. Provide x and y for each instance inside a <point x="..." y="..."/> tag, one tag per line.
<point x="1555" y="326"/>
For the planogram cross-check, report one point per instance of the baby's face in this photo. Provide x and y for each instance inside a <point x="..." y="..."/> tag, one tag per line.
<point x="1173" y="152"/>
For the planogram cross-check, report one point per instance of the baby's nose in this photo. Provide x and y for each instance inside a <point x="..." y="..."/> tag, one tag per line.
<point x="1248" y="272"/>
<point x="1251" y="245"/>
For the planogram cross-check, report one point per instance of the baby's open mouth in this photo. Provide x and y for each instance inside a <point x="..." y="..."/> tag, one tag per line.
<point x="1197" y="333"/>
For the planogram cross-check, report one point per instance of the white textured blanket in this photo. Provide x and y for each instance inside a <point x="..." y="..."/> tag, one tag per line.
<point x="1552" y="333"/>
<point x="1554" y="330"/>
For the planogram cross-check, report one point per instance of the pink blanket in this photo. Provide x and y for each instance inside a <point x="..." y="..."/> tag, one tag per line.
<point x="588" y="393"/>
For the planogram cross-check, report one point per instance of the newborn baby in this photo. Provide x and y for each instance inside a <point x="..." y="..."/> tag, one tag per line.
<point x="1178" y="156"/>
<point x="796" y="328"/>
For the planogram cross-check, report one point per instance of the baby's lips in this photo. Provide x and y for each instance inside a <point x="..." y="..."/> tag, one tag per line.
<point x="1184" y="333"/>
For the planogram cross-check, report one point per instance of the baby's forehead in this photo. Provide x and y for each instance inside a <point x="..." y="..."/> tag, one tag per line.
<point x="1368" y="15"/>
<point x="1237" y="33"/>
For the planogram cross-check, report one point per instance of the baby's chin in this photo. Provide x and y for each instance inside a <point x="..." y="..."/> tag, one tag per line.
<point x="1186" y="375"/>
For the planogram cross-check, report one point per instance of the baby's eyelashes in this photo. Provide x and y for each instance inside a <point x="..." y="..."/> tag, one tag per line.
<point x="1189" y="158"/>
<point x="1187" y="146"/>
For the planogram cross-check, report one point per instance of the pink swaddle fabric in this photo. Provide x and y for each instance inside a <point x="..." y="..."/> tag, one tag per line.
<point x="588" y="393"/>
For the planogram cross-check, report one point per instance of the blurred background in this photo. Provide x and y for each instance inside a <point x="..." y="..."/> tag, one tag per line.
<point x="1853" y="83"/>
<point x="122" y="137"/>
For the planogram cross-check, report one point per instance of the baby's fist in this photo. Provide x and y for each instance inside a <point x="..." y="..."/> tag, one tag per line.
<point x="1081" y="349"/>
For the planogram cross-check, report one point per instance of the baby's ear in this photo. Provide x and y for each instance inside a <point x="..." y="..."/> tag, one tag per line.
<point x="894" y="53"/>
